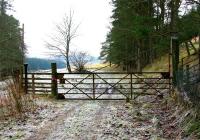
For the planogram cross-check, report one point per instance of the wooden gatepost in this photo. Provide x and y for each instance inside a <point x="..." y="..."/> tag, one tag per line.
<point x="25" y="78"/>
<point x="54" y="84"/>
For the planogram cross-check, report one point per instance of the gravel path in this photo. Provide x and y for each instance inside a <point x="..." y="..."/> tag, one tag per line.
<point x="90" y="120"/>
<point x="97" y="120"/>
<point x="53" y="125"/>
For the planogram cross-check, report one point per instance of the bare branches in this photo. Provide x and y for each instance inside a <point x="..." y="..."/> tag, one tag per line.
<point x="193" y="2"/>
<point x="66" y="31"/>
<point x="79" y="60"/>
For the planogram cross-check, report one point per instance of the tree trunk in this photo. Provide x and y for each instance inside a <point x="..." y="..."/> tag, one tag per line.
<point x="67" y="58"/>
<point x="68" y="66"/>
<point x="162" y="7"/>
<point x="150" y="52"/>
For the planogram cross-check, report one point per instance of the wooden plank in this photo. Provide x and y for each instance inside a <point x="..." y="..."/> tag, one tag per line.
<point x="39" y="78"/>
<point x="139" y="73"/>
<point x="36" y="87"/>
<point x="39" y="73"/>
<point x="39" y="90"/>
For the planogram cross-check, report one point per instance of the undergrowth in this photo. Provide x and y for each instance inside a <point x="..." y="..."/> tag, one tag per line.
<point x="190" y="124"/>
<point x="13" y="101"/>
<point x="193" y="128"/>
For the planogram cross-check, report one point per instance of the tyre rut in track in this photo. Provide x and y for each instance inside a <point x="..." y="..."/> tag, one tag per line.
<point x="43" y="132"/>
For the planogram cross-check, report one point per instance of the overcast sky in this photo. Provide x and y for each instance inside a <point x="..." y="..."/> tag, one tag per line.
<point x="40" y="17"/>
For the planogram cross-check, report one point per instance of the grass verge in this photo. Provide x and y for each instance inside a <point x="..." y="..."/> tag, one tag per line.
<point x="13" y="101"/>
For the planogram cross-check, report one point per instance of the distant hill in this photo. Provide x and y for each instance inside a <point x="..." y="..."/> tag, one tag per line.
<point x="43" y="64"/>
<point x="95" y="60"/>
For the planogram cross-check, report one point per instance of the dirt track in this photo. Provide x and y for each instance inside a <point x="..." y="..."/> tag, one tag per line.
<point x="94" y="120"/>
<point x="98" y="120"/>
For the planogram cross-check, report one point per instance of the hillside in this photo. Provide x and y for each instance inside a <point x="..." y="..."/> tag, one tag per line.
<point x="43" y="64"/>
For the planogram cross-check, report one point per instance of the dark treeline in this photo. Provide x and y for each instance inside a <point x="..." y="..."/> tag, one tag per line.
<point x="140" y="30"/>
<point x="43" y="64"/>
<point x="11" y="46"/>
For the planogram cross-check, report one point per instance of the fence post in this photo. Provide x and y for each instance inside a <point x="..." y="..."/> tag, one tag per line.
<point x="54" y="85"/>
<point x="33" y="83"/>
<point x="175" y="56"/>
<point x="128" y="96"/>
<point x="131" y="86"/>
<point x="26" y="78"/>
<point x="21" y="78"/>
<point x="93" y="81"/>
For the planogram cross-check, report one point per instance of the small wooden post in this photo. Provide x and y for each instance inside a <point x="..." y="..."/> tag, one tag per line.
<point x="33" y="83"/>
<point x="54" y="85"/>
<point x="26" y="78"/>
<point x="93" y="81"/>
<point x="21" y="78"/>
<point x="128" y="96"/>
<point x="187" y="74"/>
<point x="131" y="86"/>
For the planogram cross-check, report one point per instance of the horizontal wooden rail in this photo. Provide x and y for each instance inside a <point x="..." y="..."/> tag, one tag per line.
<point x="39" y="73"/>
<point x="44" y="91"/>
<point x="139" y="73"/>
<point x="191" y="61"/>
<point x="39" y="78"/>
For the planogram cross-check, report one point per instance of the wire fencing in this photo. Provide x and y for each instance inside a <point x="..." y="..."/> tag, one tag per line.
<point x="188" y="77"/>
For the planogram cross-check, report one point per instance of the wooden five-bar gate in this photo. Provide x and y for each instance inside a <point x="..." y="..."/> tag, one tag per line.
<point x="98" y="85"/>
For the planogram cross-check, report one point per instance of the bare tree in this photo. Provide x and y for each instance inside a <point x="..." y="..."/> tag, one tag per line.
<point x="61" y="42"/>
<point x="79" y="60"/>
<point x="193" y="2"/>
